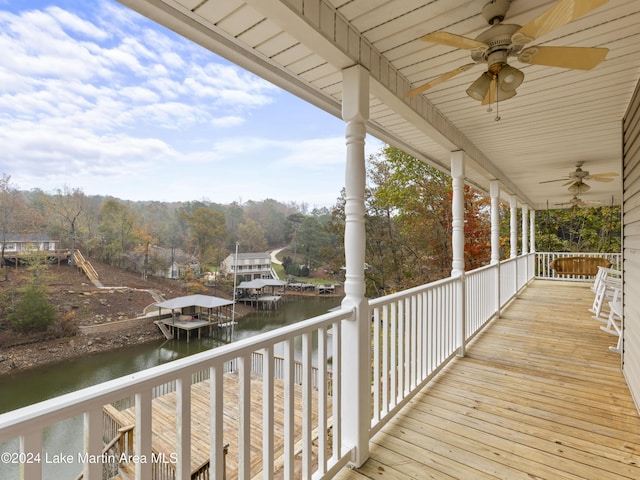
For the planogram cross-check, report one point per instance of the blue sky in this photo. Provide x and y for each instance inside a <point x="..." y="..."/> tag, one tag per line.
<point x="96" y="97"/>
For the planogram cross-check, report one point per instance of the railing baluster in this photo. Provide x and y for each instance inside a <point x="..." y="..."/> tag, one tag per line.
<point x="377" y="375"/>
<point x="394" y="353"/>
<point x="322" y="400"/>
<point x="183" y="426"/>
<point x="244" y="417"/>
<point x="307" y="407"/>
<point x="31" y="446"/>
<point x="142" y="433"/>
<point x="385" y="358"/>
<point x="288" y="410"/>
<point x="93" y="443"/>
<point x="216" y="402"/>
<point x="336" y="390"/>
<point x="267" y="414"/>
<point x="414" y="342"/>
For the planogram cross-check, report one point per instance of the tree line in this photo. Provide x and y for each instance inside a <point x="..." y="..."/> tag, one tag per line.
<point x="408" y="226"/>
<point x="121" y="232"/>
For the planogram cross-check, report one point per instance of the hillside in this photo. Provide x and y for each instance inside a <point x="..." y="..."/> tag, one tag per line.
<point x="80" y="303"/>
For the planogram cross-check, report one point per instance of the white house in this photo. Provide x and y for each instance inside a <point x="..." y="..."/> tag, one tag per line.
<point x="250" y="266"/>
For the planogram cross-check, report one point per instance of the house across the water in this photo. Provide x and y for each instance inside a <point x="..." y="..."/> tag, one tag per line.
<point x="250" y="266"/>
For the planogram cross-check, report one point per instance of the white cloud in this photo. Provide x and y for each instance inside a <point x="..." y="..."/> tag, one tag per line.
<point x="100" y="99"/>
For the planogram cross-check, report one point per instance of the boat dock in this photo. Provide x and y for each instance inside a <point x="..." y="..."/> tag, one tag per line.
<point x="172" y="328"/>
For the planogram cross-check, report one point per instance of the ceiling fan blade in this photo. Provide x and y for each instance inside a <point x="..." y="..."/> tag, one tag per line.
<point x="556" y="180"/>
<point x="580" y="58"/>
<point x="563" y="12"/>
<point x="569" y="182"/>
<point x="453" y="40"/>
<point x="439" y="80"/>
<point x="603" y="177"/>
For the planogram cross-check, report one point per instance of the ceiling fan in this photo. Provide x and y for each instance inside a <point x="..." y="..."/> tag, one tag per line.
<point x="575" y="202"/>
<point x="501" y="41"/>
<point x="576" y="179"/>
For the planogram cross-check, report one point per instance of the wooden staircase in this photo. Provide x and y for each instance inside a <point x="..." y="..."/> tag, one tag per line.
<point x="165" y="331"/>
<point x="85" y="265"/>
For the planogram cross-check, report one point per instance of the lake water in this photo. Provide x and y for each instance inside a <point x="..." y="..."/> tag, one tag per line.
<point x="46" y="382"/>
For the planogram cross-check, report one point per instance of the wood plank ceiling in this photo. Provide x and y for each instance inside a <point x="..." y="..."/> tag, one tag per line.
<point x="559" y="117"/>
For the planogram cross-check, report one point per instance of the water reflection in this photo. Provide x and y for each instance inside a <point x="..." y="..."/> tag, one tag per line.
<point x="49" y="381"/>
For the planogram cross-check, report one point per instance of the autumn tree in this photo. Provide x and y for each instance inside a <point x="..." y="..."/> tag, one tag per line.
<point x="144" y="239"/>
<point x="409" y="223"/>
<point x="207" y="234"/>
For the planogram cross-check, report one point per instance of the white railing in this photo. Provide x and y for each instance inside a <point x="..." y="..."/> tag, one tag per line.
<point x="325" y="448"/>
<point x="543" y="264"/>
<point x="508" y="280"/>
<point x="414" y="334"/>
<point x="481" y="296"/>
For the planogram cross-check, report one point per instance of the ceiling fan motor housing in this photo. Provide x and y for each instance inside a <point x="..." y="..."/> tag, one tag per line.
<point x="499" y="45"/>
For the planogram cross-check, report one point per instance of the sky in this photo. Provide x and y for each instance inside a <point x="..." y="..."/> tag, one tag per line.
<point x="96" y="97"/>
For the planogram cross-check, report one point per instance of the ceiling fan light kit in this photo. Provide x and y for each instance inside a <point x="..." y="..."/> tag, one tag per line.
<point x="510" y="78"/>
<point x="479" y="89"/>
<point x="500" y="41"/>
<point x="579" y="187"/>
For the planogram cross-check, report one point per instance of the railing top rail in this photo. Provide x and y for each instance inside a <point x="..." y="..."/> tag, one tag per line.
<point x="407" y="293"/>
<point x="32" y="417"/>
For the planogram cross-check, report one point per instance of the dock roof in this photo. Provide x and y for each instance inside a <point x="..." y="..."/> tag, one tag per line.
<point x="203" y="301"/>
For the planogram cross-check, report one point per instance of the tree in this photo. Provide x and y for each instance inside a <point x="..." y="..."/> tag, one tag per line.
<point x="595" y="229"/>
<point x="33" y="311"/>
<point x="311" y="237"/>
<point x="251" y="237"/>
<point x="271" y="215"/>
<point x="7" y="215"/>
<point x="207" y="234"/>
<point x="145" y="240"/>
<point x="66" y="205"/>
<point x="117" y="226"/>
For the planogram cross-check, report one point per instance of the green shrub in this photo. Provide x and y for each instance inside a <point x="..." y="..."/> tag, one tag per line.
<point x="32" y="311"/>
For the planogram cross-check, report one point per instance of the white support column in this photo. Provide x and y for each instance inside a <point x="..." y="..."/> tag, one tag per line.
<point x="356" y="340"/>
<point x="525" y="229"/>
<point x="513" y="204"/>
<point x="494" y="193"/>
<point x="532" y="231"/>
<point x="457" y="239"/>
<point x="457" y="242"/>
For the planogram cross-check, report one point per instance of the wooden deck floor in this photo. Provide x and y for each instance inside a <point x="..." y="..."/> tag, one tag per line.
<point x="164" y="424"/>
<point x="538" y="396"/>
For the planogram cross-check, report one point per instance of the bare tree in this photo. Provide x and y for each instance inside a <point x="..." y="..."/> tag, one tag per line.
<point x="7" y="215"/>
<point x="66" y="205"/>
